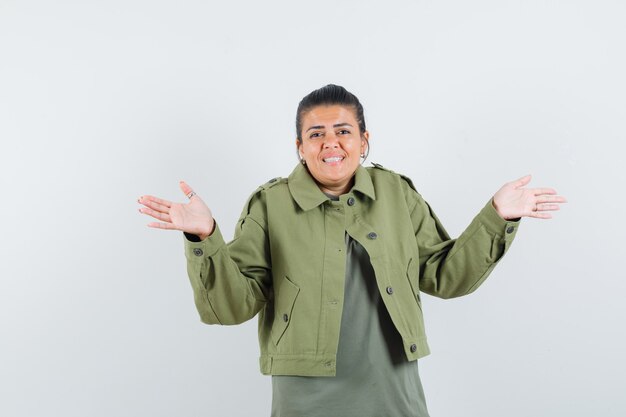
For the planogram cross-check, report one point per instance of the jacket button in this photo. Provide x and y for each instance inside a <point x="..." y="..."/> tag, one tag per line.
<point x="197" y="252"/>
<point x="413" y="347"/>
<point x="351" y="201"/>
<point x="510" y="229"/>
<point x="285" y="317"/>
<point x="273" y="180"/>
<point x="372" y="235"/>
<point x="389" y="290"/>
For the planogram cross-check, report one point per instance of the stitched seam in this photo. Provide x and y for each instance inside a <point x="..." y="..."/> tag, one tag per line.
<point x="464" y="243"/>
<point x="256" y="221"/>
<point x="211" y="306"/>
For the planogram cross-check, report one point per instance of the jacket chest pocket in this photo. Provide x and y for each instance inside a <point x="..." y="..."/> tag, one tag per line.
<point x="285" y="299"/>
<point x="412" y="274"/>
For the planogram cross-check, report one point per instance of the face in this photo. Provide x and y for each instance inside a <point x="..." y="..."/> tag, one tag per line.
<point x="332" y="146"/>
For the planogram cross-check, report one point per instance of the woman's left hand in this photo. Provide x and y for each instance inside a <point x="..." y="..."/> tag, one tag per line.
<point x="512" y="201"/>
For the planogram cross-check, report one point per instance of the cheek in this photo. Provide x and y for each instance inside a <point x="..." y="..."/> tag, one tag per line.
<point x="310" y="150"/>
<point x="356" y="147"/>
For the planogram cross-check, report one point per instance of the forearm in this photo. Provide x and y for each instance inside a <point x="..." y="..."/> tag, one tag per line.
<point x="227" y="289"/>
<point x="455" y="267"/>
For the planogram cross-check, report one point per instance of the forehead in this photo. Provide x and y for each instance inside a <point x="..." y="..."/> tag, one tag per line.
<point x="322" y="115"/>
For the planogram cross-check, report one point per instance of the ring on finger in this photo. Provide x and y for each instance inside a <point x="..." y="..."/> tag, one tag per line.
<point x="191" y="194"/>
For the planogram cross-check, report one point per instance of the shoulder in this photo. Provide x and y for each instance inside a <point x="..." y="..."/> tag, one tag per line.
<point x="389" y="182"/>
<point x="273" y="183"/>
<point x="379" y="172"/>
<point x="272" y="187"/>
<point x="256" y="202"/>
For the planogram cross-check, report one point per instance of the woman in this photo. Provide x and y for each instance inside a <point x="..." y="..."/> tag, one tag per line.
<point x="333" y="259"/>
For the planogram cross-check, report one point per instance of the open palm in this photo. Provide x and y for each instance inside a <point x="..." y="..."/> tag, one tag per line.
<point x="512" y="201"/>
<point x="194" y="217"/>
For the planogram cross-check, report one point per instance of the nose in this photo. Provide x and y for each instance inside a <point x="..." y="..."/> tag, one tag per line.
<point x="331" y="140"/>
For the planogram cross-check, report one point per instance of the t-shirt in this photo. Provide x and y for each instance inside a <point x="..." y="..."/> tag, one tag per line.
<point x="374" y="378"/>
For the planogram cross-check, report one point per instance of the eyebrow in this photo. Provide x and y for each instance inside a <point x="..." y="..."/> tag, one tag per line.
<point x="322" y="127"/>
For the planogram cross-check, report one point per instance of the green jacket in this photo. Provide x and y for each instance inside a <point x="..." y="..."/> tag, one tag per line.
<point x="287" y="263"/>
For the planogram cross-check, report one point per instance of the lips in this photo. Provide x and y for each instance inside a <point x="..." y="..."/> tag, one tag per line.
<point x="333" y="159"/>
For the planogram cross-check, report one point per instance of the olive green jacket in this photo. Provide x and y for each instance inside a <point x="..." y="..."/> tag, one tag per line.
<point x="287" y="263"/>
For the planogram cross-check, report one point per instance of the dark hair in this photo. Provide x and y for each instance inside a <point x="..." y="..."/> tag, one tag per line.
<point x="326" y="96"/>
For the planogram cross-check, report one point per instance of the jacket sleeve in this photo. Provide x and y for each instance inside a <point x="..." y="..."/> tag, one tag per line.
<point x="456" y="267"/>
<point x="232" y="282"/>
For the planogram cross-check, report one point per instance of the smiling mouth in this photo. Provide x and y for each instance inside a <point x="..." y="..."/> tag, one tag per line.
<point x="333" y="160"/>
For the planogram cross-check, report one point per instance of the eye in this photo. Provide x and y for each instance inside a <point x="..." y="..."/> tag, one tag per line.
<point x="315" y="135"/>
<point x="344" y="132"/>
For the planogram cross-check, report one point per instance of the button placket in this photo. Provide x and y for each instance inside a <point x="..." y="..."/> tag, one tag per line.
<point x="334" y="262"/>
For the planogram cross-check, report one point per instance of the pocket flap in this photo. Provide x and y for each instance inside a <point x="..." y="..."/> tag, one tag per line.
<point x="413" y="275"/>
<point x="284" y="299"/>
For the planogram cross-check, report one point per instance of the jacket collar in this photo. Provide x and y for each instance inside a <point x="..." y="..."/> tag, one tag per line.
<point x="308" y="195"/>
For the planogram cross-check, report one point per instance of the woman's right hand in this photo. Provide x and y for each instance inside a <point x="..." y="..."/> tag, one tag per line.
<point x="193" y="217"/>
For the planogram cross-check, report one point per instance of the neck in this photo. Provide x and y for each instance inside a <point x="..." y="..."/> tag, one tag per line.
<point x="337" y="190"/>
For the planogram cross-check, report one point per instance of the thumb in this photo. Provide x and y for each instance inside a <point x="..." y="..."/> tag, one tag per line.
<point x="520" y="182"/>
<point x="186" y="189"/>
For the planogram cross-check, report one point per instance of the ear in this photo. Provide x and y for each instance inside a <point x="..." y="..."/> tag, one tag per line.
<point x="365" y="141"/>
<point x="299" y="147"/>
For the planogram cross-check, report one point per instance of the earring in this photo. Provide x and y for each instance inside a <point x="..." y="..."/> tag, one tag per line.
<point x="302" y="160"/>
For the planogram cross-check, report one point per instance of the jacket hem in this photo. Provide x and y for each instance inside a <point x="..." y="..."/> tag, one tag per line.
<point x="306" y="365"/>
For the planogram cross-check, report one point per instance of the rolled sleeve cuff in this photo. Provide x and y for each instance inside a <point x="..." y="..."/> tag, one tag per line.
<point x="492" y="221"/>
<point x="205" y="248"/>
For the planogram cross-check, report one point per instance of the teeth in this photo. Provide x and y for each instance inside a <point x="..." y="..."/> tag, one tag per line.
<point x="333" y="159"/>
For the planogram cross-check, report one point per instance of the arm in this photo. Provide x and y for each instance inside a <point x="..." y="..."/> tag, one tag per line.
<point x="455" y="267"/>
<point x="231" y="282"/>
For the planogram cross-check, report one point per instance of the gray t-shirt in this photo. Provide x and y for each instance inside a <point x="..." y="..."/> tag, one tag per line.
<point x="374" y="378"/>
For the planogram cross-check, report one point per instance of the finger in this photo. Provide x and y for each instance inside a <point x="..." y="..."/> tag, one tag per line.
<point x="167" y="226"/>
<point x="520" y="182"/>
<point x="551" y="199"/>
<point x="540" y="191"/>
<point x="185" y="188"/>
<point x="155" y="206"/>
<point x="155" y="199"/>
<point x="157" y="215"/>
<point x="540" y="215"/>
<point x="548" y="207"/>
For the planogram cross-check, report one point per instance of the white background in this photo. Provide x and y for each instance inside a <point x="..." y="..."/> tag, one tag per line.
<point x="103" y="101"/>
